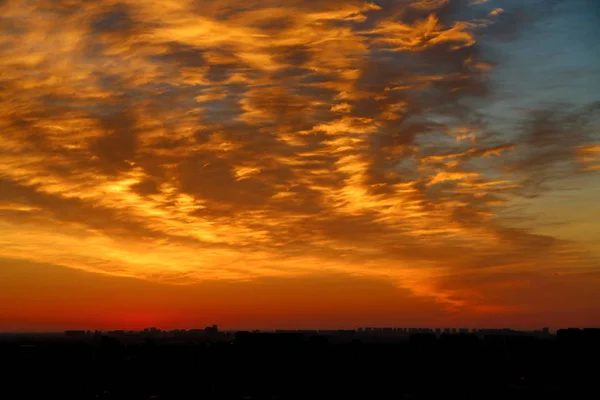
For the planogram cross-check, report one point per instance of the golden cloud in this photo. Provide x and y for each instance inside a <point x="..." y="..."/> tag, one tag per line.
<point x="182" y="141"/>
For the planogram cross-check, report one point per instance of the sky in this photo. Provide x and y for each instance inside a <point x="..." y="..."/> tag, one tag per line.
<point x="299" y="164"/>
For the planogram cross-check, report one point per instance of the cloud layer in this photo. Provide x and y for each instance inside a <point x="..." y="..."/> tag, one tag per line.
<point x="183" y="141"/>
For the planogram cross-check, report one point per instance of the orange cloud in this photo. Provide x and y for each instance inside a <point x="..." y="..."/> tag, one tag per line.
<point x="589" y="156"/>
<point x="181" y="143"/>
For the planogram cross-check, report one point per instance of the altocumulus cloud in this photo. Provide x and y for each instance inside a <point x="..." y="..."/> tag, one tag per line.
<point x="183" y="141"/>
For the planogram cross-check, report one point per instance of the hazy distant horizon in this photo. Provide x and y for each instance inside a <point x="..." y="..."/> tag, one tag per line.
<point x="359" y="329"/>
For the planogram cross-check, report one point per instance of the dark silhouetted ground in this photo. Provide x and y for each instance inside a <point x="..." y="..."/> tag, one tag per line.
<point x="370" y="365"/>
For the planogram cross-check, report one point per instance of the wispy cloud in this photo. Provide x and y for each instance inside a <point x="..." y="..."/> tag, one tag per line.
<point x="182" y="141"/>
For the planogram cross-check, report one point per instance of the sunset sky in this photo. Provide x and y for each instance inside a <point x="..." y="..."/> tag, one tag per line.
<point x="299" y="163"/>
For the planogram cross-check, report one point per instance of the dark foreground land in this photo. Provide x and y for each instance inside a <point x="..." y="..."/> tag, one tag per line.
<point x="343" y="365"/>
